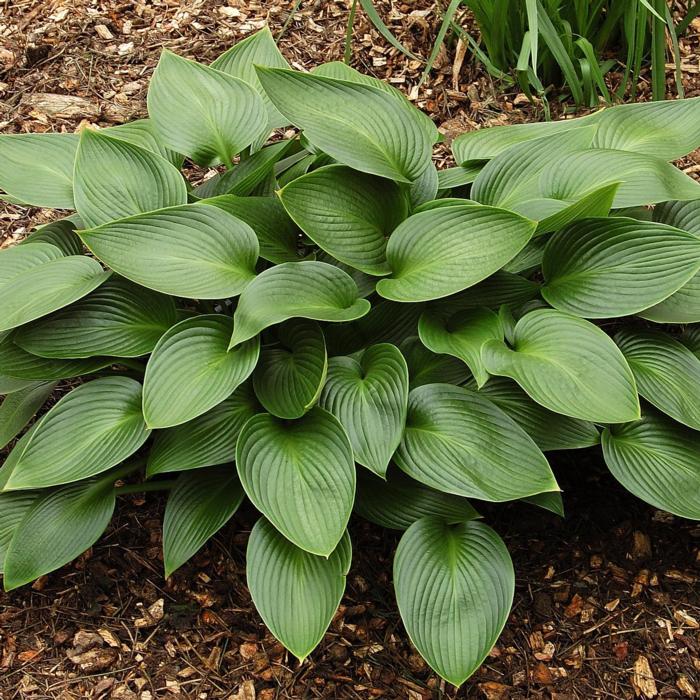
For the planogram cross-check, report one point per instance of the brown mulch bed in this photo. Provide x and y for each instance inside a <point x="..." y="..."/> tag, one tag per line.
<point x="608" y="600"/>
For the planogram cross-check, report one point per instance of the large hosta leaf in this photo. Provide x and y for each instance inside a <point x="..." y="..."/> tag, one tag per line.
<point x="93" y="428"/>
<point x="313" y="290"/>
<point x="191" y="370"/>
<point x="350" y="121"/>
<point x="13" y="508"/>
<point x="549" y="430"/>
<point x="454" y="587"/>
<point x="194" y="251"/>
<point x="145" y="181"/>
<point x="666" y="371"/>
<point x="277" y="234"/>
<point x="567" y="365"/>
<point x="142" y="132"/>
<point x="58" y="527"/>
<point x="347" y="213"/>
<point x="199" y="505"/>
<point x="600" y="268"/>
<point x="684" y="305"/>
<point x="301" y="475"/>
<point x="461" y="335"/>
<point x="38" y="168"/>
<point x="369" y="397"/>
<point x="201" y="112"/>
<point x="35" y="280"/>
<point x="295" y="592"/>
<point x="425" y="367"/>
<point x="18" y="408"/>
<point x="119" y="319"/>
<point x="59" y="233"/>
<point x="442" y="251"/>
<point x="291" y="371"/>
<point x="205" y="441"/>
<point x="399" y="501"/>
<point x="658" y="461"/>
<point x="459" y="442"/>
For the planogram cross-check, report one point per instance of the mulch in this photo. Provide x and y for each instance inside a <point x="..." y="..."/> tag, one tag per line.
<point x="607" y="601"/>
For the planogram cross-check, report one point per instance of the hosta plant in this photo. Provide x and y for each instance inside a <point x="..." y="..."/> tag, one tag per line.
<point x="327" y="324"/>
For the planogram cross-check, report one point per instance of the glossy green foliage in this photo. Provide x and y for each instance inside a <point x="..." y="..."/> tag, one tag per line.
<point x="329" y="326"/>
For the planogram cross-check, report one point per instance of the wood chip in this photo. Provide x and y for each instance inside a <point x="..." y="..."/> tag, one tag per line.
<point x="62" y="106"/>
<point x="643" y="679"/>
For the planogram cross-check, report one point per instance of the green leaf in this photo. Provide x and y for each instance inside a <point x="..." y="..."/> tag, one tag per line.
<point x="454" y="587"/>
<point x="8" y="466"/>
<point x="18" y="364"/>
<point x="549" y="430"/>
<point x="347" y="213"/>
<point x="684" y="305"/>
<point x="199" y="111"/>
<point x="13" y="508"/>
<point x="450" y="178"/>
<point x="106" y="166"/>
<point x="194" y="251"/>
<point x="600" y="268"/>
<point x="369" y="396"/>
<point x="278" y="236"/>
<point x="199" y="505"/>
<point x="548" y="501"/>
<point x="35" y="280"/>
<point x="119" y="319"/>
<point x="295" y="592"/>
<point x="9" y="385"/>
<point x="459" y="442"/>
<point x="142" y="133"/>
<point x="205" y="441"/>
<point x="567" y="365"/>
<point x="90" y="430"/>
<point x="290" y="375"/>
<point x="399" y="501"/>
<point x="658" y="461"/>
<point x="442" y="251"/>
<point x="301" y="475"/>
<point x="38" y="168"/>
<point x="19" y="408"/>
<point x="58" y="527"/>
<point x="666" y="371"/>
<point x="425" y="367"/>
<point x="313" y="290"/>
<point x="691" y="339"/>
<point x="348" y="121"/>
<point x="191" y="370"/>
<point x="259" y="49"/>
<point x="461" y="335"/>
<point x="59" y="233"/>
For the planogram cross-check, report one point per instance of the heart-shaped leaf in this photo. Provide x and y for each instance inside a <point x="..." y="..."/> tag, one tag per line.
<point x="658" y="461"/>
<point x="567" y="365"/>
<point x="191" y="370"/>
<point x="291" y="371"/>
<point x="667" y="373"/>
<point x="347" y="120"/>
<point x="35" y="282"/>
<point x="199" y="505"/>
<point x="459" y="442"/>
<point x="313" y="290"/>
<point x="194" y="251"/>
<point x="369" y="396"/>
<point x="600" y="268"/>
<point x="347" y="213"/>
<point x="454" y="587"/>
<point x="442" y="251"/>
<point x="105" y="165"/>
<point x="301" y="475"/>
<point x="205" y="441"/>
<point x="549" y="430"/>
<point x="58" y="527"/>
<point x="38" y="168"/>
<point x="295" y="592"/>
<point x="93" y="428"/>
<point x="461" y="334"/>
<point x="425" y="367"/>
<point x="208" y="115"/>
<point x="119" y="319"/>
<point x="399" y="501"/>
<point x="19" y="408"/>
<point x="13" y="508"/>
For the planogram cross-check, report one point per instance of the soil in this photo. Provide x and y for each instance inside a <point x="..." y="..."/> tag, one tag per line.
<point x="608" y="599"/>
